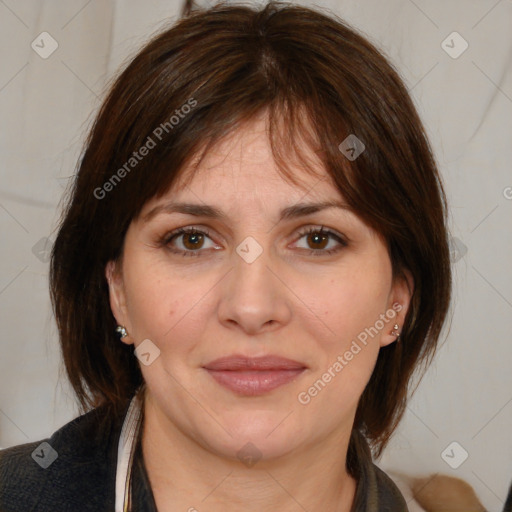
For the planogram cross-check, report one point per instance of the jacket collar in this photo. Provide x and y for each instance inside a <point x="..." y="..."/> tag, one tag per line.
<point x="375" y="491"/>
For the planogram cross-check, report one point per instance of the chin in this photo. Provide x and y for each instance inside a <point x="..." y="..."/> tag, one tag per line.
<point x="256" y="435"/>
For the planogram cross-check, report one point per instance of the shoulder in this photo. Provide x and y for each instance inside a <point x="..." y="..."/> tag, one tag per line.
<point x="72" y="470"/>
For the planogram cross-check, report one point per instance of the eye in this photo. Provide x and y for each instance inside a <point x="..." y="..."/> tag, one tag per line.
<point x="192" y="240"/>
<point x="320" y="238"/>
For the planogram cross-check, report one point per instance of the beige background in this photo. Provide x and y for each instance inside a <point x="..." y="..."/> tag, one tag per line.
<point x="46" y="106"/>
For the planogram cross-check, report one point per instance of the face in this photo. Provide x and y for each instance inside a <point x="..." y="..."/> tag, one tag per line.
<point x="252" y="282"/>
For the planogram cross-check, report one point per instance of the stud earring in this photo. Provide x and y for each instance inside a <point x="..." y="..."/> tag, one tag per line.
<point x="396" y="332"/>
<point x="121" y="332"/>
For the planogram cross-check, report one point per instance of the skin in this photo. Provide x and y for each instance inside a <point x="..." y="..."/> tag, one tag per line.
<point x="286" y="302"/>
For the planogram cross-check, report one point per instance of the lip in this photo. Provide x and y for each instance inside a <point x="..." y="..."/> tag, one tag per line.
<point x="238" y="362"/>
<point x="253" y="376"/>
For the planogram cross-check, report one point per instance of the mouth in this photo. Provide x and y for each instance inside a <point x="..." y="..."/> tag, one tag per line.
<point x="254" y="376"/>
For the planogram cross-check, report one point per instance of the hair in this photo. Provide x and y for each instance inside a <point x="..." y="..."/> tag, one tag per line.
<point x="196" y="82"/>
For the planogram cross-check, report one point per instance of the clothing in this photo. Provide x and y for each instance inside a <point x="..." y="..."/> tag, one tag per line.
<point x="508" y="504"/>
<point x="82" y="477"/>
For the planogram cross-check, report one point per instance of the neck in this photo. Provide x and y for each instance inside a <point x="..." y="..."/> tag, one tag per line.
<point x="186" y="475"/>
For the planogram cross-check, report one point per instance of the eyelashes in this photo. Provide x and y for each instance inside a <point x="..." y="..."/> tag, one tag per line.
<point x="193" y="232"/>
<point x="323" y="234"/>
<point x="196" y="236"/>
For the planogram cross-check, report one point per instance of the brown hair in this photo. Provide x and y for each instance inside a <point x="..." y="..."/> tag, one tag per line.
<point x="318" y="78"/>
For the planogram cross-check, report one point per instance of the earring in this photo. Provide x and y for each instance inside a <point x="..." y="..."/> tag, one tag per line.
<point x="396" y="332"/>
<point x="121" y="332"/>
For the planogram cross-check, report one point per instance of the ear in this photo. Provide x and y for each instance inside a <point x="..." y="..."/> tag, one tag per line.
<point x="398" y="305"/>
<point x="117" y="297"/>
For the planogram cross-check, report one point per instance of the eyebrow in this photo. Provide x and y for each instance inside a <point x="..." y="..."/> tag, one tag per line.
<point x="204" y="210"/>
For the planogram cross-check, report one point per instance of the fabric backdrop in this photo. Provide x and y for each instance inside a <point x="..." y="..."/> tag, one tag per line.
<point x="463" y="407"/>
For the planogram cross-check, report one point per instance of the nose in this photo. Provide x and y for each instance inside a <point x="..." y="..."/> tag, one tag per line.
<point x="254" y="296"/>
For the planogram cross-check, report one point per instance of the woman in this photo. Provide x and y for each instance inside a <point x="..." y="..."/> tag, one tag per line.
<point x="259" y="218"/>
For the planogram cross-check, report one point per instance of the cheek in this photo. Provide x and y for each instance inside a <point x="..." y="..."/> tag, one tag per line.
<point x="163" y="305"/>
<point x="355" y="308"/>
<point x="353" y="300"/>
<point x="151" y="301"/>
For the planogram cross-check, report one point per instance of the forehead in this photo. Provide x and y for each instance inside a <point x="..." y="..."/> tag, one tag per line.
<point x="242" y="165"/>
<point x="238" y="178"/>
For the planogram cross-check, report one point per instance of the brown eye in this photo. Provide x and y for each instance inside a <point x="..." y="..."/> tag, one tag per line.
<point x="192" y="240"/>
<point x="317" y="239"/>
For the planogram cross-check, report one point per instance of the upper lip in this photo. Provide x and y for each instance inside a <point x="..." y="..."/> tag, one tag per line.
<point x="240" y="362"/>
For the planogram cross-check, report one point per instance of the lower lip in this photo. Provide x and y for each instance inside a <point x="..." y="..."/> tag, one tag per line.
<point x="253" y="382"/>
